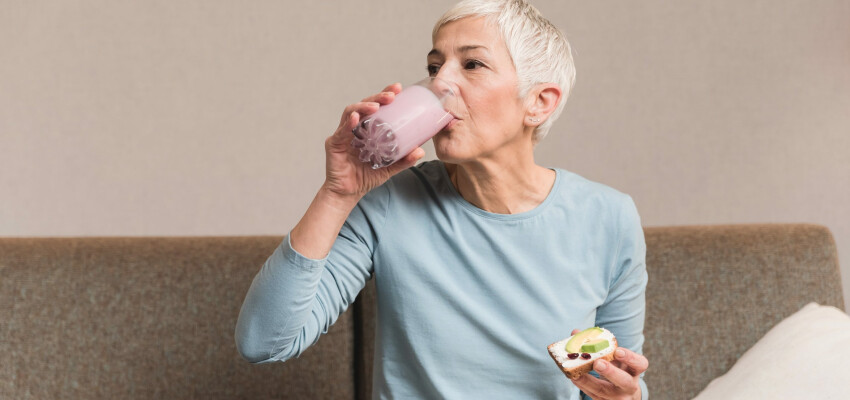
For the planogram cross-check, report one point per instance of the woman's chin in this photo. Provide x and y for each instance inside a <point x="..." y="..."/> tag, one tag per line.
<point x="443" y="145"/>
<point x="450" y="155"/>
<point x="450" y="147"/>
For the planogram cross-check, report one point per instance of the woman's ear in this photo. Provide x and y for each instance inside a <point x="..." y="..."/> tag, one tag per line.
<point x="542" y="99"/>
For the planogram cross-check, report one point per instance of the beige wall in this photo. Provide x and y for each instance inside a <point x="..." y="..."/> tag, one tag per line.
<point x="208" y="117"/>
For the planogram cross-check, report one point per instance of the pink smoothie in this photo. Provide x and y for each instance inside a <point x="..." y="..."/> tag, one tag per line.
<point x="398" y="128"/>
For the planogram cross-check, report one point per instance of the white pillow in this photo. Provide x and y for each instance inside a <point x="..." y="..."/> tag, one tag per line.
<point x="806" y="356"/>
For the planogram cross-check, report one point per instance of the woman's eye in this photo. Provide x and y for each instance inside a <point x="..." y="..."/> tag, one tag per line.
<point x="472" y="64"/>
<point x="433" y="69"/>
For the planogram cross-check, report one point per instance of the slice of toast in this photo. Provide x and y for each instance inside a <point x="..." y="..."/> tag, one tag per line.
<point x="574" y="368"/>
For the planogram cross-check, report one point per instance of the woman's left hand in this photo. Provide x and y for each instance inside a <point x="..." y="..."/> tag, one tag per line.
<point x="620" y="377"/>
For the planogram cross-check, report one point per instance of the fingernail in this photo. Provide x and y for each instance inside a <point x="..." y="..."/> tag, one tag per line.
<point x="601" y="365"/>
<point x="620" y="353"/>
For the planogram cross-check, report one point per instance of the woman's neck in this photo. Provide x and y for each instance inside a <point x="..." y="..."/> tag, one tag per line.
<point x="508" y="186"/>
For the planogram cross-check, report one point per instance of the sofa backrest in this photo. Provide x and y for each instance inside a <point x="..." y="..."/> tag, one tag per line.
<point x="146" y="318"/>
<point x="714" y="291"/>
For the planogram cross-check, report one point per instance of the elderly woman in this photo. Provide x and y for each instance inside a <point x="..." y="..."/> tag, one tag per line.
<point x="480" y="259"/>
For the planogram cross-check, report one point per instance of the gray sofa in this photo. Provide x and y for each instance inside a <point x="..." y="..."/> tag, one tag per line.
<point x="151" y="318"/>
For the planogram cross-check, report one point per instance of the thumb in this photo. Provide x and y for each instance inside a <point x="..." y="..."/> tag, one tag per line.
<point x="406" y="162"/>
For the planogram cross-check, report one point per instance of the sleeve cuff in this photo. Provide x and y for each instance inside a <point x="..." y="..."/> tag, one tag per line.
<point x="297" y="259"/>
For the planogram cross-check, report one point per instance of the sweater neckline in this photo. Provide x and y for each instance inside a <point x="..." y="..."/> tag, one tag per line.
<point x="457" y="198"/>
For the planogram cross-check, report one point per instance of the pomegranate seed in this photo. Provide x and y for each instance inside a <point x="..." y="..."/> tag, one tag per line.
<point x="572" y="356"/>
<point x="585" y="356"/>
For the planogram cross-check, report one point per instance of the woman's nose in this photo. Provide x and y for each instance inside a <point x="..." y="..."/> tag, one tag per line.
<point x="447" y="81"/>
<point x="443" y="87"/>
<point x="447" y="73"/>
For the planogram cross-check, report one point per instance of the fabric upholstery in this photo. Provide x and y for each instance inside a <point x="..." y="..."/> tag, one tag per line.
<point x="715" y="290"/>
<point x="146" y="318"/>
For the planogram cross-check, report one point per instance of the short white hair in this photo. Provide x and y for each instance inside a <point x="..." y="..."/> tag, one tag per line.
<point x="540" y="52"/>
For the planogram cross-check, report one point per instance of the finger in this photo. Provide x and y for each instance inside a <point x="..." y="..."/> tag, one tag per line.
<point x="395" y="88"/>
<point x="406" y="162"/>
<point x="362" y="108"/>
<point x="390" y="90"/>
<point x="383" y="98"/>
<point x="574" y="332"/>
<point x="622" y="380"/>
<point x="634" y="363"/>
<point x="591" y="385"/>
<point x="340" y="139"/>
<point x="343" y="135"/>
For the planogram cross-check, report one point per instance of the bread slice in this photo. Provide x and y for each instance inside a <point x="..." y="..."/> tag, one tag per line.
<point x="575" y="368"/>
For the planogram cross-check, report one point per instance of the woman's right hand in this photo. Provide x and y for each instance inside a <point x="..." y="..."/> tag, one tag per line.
<point x="345" y="175"/>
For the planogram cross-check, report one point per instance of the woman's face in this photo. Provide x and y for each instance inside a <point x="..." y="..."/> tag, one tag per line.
<point x="471" y="54"/>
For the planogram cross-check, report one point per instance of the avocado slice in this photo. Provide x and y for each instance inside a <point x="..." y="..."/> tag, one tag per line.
<point x="575" y="343"/>
<point x="595" y="346"/>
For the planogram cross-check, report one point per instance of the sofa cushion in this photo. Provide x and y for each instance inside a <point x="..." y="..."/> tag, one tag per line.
<point x="803" y="357"/>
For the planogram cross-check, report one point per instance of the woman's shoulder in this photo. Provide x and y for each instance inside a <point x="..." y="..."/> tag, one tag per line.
<point x="579" y="188"/>
<point x="605" y="204"/>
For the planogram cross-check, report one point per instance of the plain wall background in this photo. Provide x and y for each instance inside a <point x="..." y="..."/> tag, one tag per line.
<point x="208" y="117"/>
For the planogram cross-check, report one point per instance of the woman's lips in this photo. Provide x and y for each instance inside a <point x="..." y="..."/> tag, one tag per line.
<point x="451" y="124"/>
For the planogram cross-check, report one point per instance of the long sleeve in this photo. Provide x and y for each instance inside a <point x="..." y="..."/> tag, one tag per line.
<point x="624" y="310"/>
<point x="293" y="300"/>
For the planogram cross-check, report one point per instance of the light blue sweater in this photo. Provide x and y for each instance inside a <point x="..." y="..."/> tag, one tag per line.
<point x="468" y="300"/>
